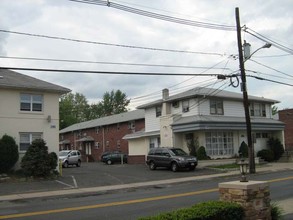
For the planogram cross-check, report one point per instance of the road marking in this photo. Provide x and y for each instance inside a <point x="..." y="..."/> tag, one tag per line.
<point x="74" y="181"/>
<point x="127" y="202"/>
<point x="65" y="184"/>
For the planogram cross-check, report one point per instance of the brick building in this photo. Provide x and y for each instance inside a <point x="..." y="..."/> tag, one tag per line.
<point x="94" y="137"/>
<point x="286" y="116"/>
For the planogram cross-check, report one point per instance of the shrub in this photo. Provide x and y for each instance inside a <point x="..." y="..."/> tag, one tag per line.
<point x="37" y="162"/>
<point x="212" y="210"/>
<point x="276" y="212"/>
<point x="243" y="150"/>
<point x="201" y="153"/>
<point x="267" y="155"/>
<point x="8" y="153"/>
<point x="276" y="146"/>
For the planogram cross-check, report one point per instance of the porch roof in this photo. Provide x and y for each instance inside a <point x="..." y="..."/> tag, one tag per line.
<point x="140" y="134"/>
<point x="207" y="122"/>
<point x="86" y="139"/>
<point x="66" y="141"/>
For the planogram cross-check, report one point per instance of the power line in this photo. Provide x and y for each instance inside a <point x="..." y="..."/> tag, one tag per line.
<point x="110" y="44"/>
<point x="271" y="68"/>
<point x="107" y="72"/>
<point x="108" y="63"/>
<point x="260" y="78"/>
<point x="158" y="16"/>
<point x="257" y="72"/>
<point x="267" y="40"/>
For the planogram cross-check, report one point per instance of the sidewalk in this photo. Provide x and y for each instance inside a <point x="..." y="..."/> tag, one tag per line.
<point x="272" y="167"/>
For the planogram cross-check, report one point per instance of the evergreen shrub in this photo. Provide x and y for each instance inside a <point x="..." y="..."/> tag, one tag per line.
<point x="8" y="153"/>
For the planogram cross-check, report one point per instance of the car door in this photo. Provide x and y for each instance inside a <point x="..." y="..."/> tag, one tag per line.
<point x="165" y="158"/>
<point x="72" y="159"/>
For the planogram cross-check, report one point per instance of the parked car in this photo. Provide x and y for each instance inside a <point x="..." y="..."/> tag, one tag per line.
<point x="70" y="157"/>
<point x="173" y="158"/>
<point x="114" y="157"/>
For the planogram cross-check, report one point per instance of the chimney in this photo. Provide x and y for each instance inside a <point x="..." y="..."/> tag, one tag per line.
<point x="165" y="94"/>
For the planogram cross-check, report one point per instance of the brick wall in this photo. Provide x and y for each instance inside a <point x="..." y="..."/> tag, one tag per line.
<point x="286" y="116"/>
<point x="106" y="138"/>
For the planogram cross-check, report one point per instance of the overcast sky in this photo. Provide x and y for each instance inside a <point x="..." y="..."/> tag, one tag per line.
<point x="211" y="48"/>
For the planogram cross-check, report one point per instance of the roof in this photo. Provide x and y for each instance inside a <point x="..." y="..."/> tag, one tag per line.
<point x="113" y="119"/>
<point x="207" y="122"/>
<point x="140" y="134"/>
<point x="13" y="80"/>
<point x="206" y="92"/>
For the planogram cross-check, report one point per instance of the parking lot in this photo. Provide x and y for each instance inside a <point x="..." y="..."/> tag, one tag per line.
<point x="100" y="174"/>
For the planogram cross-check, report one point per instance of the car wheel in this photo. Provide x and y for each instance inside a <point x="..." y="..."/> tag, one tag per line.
<point x="109" y="162"/>
<point x="78" y="163"/>
<point x="152" y="165"/>
<point x="174" y="167"/>
<point x="65" y="165"/>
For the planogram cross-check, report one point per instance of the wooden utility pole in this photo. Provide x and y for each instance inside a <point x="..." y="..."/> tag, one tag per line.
<point x="245" y="95"/>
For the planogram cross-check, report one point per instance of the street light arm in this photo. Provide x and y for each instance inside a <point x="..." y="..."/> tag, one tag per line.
<point x="267" y="45"/>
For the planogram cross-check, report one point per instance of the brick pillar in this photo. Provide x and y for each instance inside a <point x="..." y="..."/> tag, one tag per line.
<point x="253" y="196"/>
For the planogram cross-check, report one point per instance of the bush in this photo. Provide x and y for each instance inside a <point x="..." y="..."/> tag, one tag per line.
<point x="8" y="153"/>
<point x="276" y="146"/>
<point x="243" y="150"/>
<point x="37" y="162"/>
<point x="276" y="212"/>
<point x="267" y="155"/>
<point x="212" y="210"/>
<point x="201" y="153"/>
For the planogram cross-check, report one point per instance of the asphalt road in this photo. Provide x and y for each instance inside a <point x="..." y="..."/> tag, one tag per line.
<point x="133" y="203"/>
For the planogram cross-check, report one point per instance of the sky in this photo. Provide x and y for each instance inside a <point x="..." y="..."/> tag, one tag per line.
<point x="114" y="40"/>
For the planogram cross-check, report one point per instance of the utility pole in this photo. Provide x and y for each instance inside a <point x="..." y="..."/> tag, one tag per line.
<point x="245" y="95"/>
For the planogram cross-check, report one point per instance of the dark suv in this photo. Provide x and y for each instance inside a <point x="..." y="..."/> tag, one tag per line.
<point x="173" y="158"/>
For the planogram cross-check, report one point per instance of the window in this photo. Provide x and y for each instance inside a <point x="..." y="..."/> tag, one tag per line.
<point x="118" y="126"/>
<point x="258" y="109"/>
<point x="131" y="125"/>
<point x="185" y="106"/>
<point x="31" y="103"/>
<point x="175" y="104"/>
<point x="219" y="143"/>
<point x="118" y="144"/>
<point x="98" y="129"/>
<point x="216" y="107"/>
<point x="107" y="144"/>
<point x="158" y="111"/>
<point x="25" y="140"/>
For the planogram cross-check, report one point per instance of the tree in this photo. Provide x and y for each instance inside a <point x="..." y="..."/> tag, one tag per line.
<point x="114" y="103"/>
<point x="243" y="150"/>
<point x="274" y="110"/>
<point x="73" y="108"/>
<point x="37" y="162"/>
<point x="276" y="146"/>
<point x="8" y="153"/>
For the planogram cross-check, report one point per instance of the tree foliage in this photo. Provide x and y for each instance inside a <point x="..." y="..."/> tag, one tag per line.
<point x="276" y="146"/>
<point x="8" y="153"/>
<point x="37" y="162"/>
<point x="74" y="108"/>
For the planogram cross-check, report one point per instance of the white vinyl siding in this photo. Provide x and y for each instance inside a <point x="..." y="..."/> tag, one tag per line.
<point x="152" y="123"/>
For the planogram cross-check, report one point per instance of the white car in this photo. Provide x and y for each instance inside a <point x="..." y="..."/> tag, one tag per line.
<point x="70" y="157"/>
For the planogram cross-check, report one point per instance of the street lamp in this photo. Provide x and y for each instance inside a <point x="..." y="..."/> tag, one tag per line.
<point x="246" y="50"/>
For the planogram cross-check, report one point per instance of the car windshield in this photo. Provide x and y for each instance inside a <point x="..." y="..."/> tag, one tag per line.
<point x="63" y="153"/>
<point x="179" y="152"/>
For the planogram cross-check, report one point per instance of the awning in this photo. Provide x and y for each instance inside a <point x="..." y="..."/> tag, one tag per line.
<point x="86" y="139"/>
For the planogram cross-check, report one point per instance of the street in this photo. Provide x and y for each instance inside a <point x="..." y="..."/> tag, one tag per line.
<point x="134" y="203"/>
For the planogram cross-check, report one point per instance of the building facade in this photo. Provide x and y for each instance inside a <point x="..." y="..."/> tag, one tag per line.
<point x="100" y="135"/>
<point x="29" y="110"/>
<point x="212" y="118"/>
<point x="286" y="116"/>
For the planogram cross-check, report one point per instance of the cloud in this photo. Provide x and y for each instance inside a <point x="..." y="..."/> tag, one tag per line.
<point x="105" y="24"/>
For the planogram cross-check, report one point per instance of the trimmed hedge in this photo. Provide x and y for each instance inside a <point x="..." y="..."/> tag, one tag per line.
<point x="212" y="210"/>
<point x="8" y="153"/>
<point x="267" y="155"/>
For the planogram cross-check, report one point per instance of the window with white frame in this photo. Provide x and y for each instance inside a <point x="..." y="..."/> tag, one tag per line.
<point x="31" y="102"/>
<point x="219" y="143"/>
<point x="257" y="109"/>
<point x="216" y="107"/>
<point x="118" y="144"/>
<point x="26" y="138"/>
<point x="131" y="125"/>
<point x="185" y="106"/>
